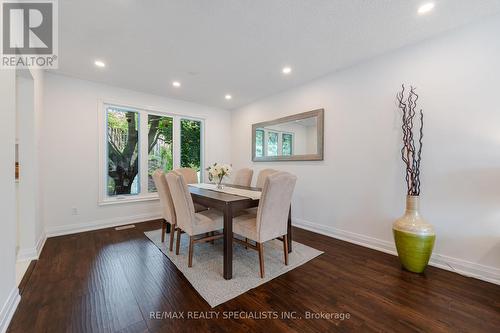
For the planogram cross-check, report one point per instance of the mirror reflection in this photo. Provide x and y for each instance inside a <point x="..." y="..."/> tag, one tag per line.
<point x="290" y="138"/>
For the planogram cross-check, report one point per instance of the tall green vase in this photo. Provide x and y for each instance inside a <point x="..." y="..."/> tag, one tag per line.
<point x="414" y="237"/>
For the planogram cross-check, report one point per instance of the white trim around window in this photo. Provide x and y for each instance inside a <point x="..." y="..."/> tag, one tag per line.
<point x="265" y="140"/>
<point x="143" y="111"/>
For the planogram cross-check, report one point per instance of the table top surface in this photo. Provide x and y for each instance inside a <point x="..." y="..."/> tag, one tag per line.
<point x="220" y="196"/>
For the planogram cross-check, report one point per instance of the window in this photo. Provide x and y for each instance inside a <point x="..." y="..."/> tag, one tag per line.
<point x="123" y="152"/>
<point x="160" y="146"/>
<point x="191" y="144"/>
<point x="259" y="143"/>
<point x="287" y="144"/>
<point x="272" y="144"/>
<point x="135" y="142"/>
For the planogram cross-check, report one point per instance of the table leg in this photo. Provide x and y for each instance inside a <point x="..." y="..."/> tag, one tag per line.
<point x="228" y="242"/>
<point x="289" y="231"/>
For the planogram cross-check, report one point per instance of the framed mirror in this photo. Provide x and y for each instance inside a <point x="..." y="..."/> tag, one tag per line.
<point x="294" y="138"/>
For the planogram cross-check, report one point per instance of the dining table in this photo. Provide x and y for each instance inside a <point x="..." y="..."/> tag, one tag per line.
<point x="230" y="205"/>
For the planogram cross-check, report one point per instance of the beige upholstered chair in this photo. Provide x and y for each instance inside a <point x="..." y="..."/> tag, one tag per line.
<point x="167" y="206"/>
<point x="271" y="219"/>
<point x="261" y="178"/>
<point x="243" y="177"/>
<point x="191" y="177"/>
<point x="192" y="223"/>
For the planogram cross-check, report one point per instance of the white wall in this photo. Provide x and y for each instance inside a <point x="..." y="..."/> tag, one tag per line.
<point x="25" y="112"/>
<point x="358" y="190"/>
<point x="70" y="151"/>
<point x="29" y="112"/>
<point x="9" y="295"/>
<point x="311" y="140"/>
<point x="29" y="116"/>
<point x="39" y="91"/>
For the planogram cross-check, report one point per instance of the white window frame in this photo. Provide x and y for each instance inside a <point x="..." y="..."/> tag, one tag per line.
<point x="279" y="143"/>
<point x="143" y="111"/>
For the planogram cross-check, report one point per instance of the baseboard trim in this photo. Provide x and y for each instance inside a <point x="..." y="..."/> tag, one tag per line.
<point x="32" y="253"/>
<point x="8" y="309"/>
<point x="26" y="254"/>
<point x="100" y="224"/>
<point x="459" y="266"/>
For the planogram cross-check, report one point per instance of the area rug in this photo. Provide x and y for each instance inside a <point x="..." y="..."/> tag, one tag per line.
<point x="206" y="274"/>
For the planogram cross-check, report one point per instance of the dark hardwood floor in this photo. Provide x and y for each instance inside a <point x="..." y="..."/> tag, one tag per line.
<point x="110" y="281"/>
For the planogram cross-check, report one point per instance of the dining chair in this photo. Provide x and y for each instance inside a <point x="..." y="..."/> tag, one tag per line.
<point x="261" y="178"/>
<point x="271" y="220"/>
<point x="167" y="206"/>
<point x="192" y="223"/>
<point x="191" y="177"/>
<point x="243" y="177"/>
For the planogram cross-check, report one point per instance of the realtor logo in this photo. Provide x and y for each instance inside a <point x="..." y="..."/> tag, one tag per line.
<point x="29" y="34"/>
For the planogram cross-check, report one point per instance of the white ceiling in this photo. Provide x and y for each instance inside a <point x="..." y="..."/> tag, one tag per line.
<point x="215" y="47"/>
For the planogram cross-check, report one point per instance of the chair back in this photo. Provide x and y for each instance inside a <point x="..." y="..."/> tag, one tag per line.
<point x="183" y="203"/>
<point x="261" y="178"/>
<point x="243" y="177"/>
<point x="190" y="175"/>
<point x="167" y="205"/>
<point x="274" y="205"/>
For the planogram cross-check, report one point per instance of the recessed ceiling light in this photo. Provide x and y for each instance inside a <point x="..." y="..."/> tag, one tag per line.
<point x="228" y="97"/>
<point x="424" y="9"/>
<point x="286" y="70"/>
<point x="176" y="84"/>
<point x="99" y="63"/>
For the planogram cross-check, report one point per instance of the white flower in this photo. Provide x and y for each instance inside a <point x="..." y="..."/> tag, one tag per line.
<point x="217" y="172"/>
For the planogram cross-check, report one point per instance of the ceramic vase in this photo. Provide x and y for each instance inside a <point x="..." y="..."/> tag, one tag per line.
<point x="414" y="237"/>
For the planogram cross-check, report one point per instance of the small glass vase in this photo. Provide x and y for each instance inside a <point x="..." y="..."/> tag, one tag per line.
<point x="220" y="186"/>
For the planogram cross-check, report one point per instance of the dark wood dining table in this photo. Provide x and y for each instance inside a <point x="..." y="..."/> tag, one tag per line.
<point x="231" y="204"/>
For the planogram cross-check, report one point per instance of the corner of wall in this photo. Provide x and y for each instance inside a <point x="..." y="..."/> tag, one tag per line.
<point x="8" y="309"/>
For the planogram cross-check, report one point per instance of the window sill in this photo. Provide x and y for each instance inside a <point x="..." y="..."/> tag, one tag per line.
<point x="126" y="199"/>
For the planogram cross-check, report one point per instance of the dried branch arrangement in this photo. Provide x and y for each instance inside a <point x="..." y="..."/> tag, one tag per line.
<point x="411" y="153"/>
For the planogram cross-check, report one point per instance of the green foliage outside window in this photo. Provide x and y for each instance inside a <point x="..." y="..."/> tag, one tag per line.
<point x="160" y="147"/>
<point x="272" y="144"/>
<point x="191" y="144"/>
<point x="287" y="144"/>
<point x="123" y="148"/>
<point x="123" y="151"/>
<point x="259" y="143"/>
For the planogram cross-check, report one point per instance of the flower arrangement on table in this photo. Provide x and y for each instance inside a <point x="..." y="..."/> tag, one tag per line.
<point x="217" y="172"/>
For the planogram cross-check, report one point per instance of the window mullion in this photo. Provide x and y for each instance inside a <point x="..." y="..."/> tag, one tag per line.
<point x="143" y="152"/>
<point x="177" y="141"/>
<point x="280" y="144"/>
<point x="266" y="137"/>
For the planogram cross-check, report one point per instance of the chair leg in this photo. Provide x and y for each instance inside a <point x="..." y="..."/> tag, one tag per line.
<point x="285" y="248"/>
<point x="191" y="243"/>
<point x="172" y="234"/>
<point x="246" y="240"/>
<point x="178" y="244"/>
<point x="260" y="247"/>
<point x="163" y="230"/>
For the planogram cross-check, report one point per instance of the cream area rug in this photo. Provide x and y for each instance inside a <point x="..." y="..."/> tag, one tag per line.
<point x="206" y="274"/>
